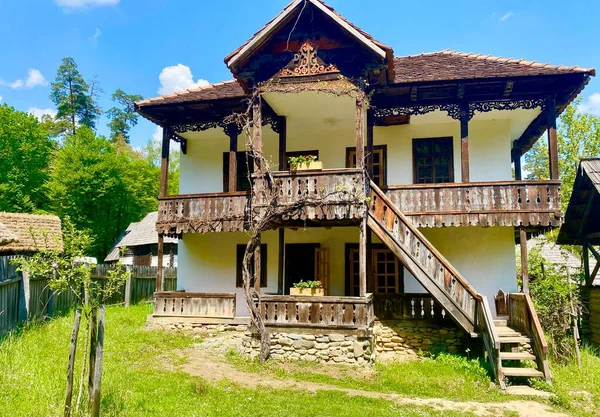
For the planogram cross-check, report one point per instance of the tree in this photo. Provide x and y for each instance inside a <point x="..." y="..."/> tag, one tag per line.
<point x="123" y="116"/>
<point x="25" y="152"/>
<point x="578" y="136"/>
<point x="74" y="99"/>
<point x="152" y="152"/>
<point x="103" y="186"/>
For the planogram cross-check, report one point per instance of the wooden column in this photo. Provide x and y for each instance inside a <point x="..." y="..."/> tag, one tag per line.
<point x="586" y="263"/>
<point x="552" y="141"/>
<point x="257" y="266"/>
<point x="360" y="163"/>
<point x="524" y="263"/>
<point x="232" y="132"/>
<point x="464" y="142"/>
<point x="280" y="260"/>
<point x="517" y="157"/>
<point x="164" y="163"/>
<point x="370" y="126"/>
<point x="369" y="250"/>
<point x="159" y="264"/>
<point x="257" y="130"/>
<point x="282" y="126"/>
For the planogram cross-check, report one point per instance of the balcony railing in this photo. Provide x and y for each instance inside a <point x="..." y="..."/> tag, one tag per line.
<point x="506" y="203"/>
<point x="189" y="304"/>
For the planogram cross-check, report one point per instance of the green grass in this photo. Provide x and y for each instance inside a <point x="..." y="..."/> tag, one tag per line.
<point x="137" y="383"/>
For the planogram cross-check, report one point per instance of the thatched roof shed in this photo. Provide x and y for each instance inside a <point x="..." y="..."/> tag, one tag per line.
<point x="21" y="232"/>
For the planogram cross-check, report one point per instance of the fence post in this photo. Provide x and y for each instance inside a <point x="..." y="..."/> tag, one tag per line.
<point x="24" y="296"/>
<point x="128" y="286"/>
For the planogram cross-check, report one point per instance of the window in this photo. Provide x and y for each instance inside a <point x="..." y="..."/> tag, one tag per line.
<point x="244" y="161"/>
<point x="433" y="160"/>
<point x="386" y="271"/>
<point x="240" y="250"/>
<point x="379" y="175"/>
<point x="298" y="153"/>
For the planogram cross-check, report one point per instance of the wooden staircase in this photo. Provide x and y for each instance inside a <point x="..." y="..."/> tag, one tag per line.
<point x="503" y="339"/>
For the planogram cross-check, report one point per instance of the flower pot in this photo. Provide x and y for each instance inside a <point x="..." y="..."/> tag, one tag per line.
<point x="307" y="291"/>
<point x="307" y="166"/>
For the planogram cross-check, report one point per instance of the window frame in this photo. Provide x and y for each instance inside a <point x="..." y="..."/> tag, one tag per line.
<point x="450" y="140"/>
<point x="239" y="258"/>
<point x="383" y="149"/>
<point x="240" y="155"/>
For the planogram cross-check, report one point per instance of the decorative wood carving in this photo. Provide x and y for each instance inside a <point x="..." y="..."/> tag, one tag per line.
<point x="306" y="62"/>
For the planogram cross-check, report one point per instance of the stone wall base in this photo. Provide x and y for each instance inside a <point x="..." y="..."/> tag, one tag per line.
<point x="322" y="347"/>
<point x="412" y="337"/>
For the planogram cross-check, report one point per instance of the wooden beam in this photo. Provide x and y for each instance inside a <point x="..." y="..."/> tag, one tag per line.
<point x="257" y="130"/>
<point x="164" y="163"/>
<point x="552" y="140"/>
<point x="257" y="266"/>
<point x="594" y="273"/>
<point x="362" y="258"/>
<point x="517" y="159"/>
<point x="508" y="87"/>
<point x="370" y="127"/>
<point x="232" y="132"/>
<point x="360" y="131"/>
<point x="586" y="212"/>
<point x="593" y="251"/>
<point x="460" y="91"/>
<point x="586" y="263"/>
<point x="524" y="262"/>
<point x="282" y="142"/>
<point x="369" y="250"/>
<point x="281" y="261"/>
<point x="159" y="264"/>
<point x="464" y="142"/>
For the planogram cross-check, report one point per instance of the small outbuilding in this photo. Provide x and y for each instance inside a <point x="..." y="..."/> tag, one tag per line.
<point x="138" y="245"/>
<point x="22" y="233"/>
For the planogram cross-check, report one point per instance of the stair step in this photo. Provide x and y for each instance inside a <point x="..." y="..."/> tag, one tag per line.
<point x="517" y="356"/>
<point x="506" y="331"/>
<point x="514" y="339"/>
<point x="501" y="322"/>
<point x="527" y="372"/>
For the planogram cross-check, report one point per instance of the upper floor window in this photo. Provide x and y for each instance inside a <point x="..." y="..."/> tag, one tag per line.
<point x="379" y="175"/>
<point x="245" y="166"/>
<point x="433" y="160"/>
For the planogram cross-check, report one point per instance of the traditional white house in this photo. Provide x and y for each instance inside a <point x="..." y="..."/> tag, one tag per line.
<point x="428" y="140"/>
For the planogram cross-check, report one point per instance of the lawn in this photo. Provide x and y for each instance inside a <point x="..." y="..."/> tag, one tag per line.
<point x="141" y="379"/>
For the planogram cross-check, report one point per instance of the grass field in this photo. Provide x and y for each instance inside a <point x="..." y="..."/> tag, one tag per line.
<point x="141" y="378"/>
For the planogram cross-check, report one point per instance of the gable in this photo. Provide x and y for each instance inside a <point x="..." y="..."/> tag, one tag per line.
<point x="337" y="42"/>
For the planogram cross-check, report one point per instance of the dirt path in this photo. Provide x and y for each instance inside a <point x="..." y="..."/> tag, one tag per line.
<point x="205" y="362"/>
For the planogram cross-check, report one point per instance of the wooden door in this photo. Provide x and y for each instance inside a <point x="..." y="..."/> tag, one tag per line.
<point x="322" y="268"/>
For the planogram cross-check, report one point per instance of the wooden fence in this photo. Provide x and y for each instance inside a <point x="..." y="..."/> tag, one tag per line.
<point x="31" y="298"/>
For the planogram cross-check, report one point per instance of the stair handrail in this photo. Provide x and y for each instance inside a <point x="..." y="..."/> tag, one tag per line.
<point x="424" y="241"/>
<point x="491" y="340"/>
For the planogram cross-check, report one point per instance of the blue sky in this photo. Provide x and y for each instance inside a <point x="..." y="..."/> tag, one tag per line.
<point x="127" y="44"/>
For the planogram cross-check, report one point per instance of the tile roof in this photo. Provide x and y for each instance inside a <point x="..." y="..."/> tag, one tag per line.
<point x="138" y="234"/>
<point x="453" y="65"/>
<point x="33" y="232"/>
<point x="435" y="66"/>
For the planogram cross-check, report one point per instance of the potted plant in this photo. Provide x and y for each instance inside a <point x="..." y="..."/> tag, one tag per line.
<point x="308" y="288"/>
<point x="304" y="162"/>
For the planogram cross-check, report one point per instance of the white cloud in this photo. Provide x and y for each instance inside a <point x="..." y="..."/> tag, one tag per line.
<point x="37" y="112"/>
<point x="96" y="34"/>
<point x="0" y="98"/>
<point x="177" y="78"/>
<point x="591" y="105"/>
<point x="157" y="135"/>
<point x="506" y="16"/>
<point x="34" y="78"/>
<point x="82" y="4"/>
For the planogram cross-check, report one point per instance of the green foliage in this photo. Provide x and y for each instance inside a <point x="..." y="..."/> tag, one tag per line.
<point x="123" y="116"/>
<point x="25" y="152"/>
<point x="297" y="161"/>
<point x="578" y="136"/>
<point x="103" y="186"/>
<point x="153" y="154"/>
<point x="308" y="284"/>
<point x="555" y="298"/>
<point x="74" y="98"/>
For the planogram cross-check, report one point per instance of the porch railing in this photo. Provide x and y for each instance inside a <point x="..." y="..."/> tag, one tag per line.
<point x="501" y="203"/>
<point x="407" y="307"/>
<point x="208" y="305"/>
<point x="317" y="312"/>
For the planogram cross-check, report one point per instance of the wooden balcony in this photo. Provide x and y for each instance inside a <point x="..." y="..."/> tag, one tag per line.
<point x="506" y="203"/>
<point x="197" y="305"/>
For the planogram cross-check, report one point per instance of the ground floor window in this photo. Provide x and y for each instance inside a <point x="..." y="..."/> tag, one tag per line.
<point x="386" y="271"/>
<point x="240" y="250"/>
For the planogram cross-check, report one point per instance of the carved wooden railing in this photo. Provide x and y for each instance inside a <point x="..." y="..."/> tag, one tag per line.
<point x="491" y="340"/>
<point x="407" y="307"/>
<point x="180" y="304"/>
<point x="422" y="259"/>
<point x="506" y="203"/>
<point x="327" y="194"/>
<point x="202" y="213"/>
<point x="317" y="312"/>
<point x="522" y="316"/>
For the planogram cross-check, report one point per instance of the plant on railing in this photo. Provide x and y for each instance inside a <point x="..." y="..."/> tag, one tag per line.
<point x="308" y="284"/>
<point x="265" y="211"/>
<point x="297" y="161"/>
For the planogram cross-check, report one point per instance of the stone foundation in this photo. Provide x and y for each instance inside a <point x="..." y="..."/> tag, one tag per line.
<point x="412" y="337"/>
<point x="322" y="348"/>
